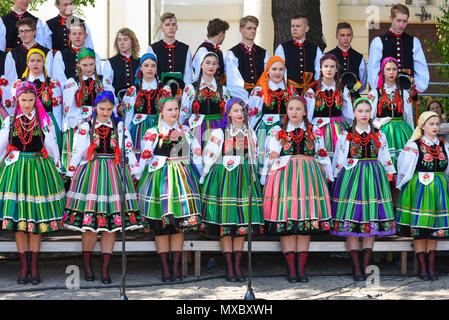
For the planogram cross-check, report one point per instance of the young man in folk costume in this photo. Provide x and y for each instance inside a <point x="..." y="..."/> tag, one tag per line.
<point x="302" y="58"/>
<point x="174" y="57"/>
<point x="352" y="63"/>
<point x="56" y="30"/>
<point x="9" y="35"/>
<point x="121" y="68"/>
<point x="216" y="32"/>
<point x="406" y="49"/>
<point x="16" y="60"/>
<point x="246" y="61"/>
<point x="64" y="62"/>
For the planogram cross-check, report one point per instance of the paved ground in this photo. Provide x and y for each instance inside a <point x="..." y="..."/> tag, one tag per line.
<point x="329" y="279"/>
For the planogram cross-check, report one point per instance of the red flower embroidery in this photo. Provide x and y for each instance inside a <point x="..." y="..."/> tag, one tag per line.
<point x="8" y="103"/>
<point x="85" y="110"/>
<point x="147" y="154"/>
<point x="155" y="164"/>
<point x="82" y="132"/>
<point x="72" y="168"/>
<point x="350" y="161"/>
<point x="428" y="158"/>
<point x="230" y="163"/>
<point x="320" y="121"/>
<point x="322" y="153"/>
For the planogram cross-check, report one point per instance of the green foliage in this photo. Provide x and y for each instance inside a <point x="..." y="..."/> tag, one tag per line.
<point x="441" y="48"/>
<point x="7" y="5"/>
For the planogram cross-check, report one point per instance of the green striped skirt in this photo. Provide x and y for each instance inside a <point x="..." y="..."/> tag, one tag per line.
<point x="362" y="205"/>
<point x="67" y="145"/>
<point x="397" y="132"/>
<point x="170" y="196"/>
<point x="93" y="200"/>
<point x="423" y="210"/>
<point x="225" y="202"/>
<point x="31" y="195"/>
<point x="297" y="200"/>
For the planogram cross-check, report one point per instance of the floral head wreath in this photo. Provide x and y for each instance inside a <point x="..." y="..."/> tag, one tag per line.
<point x="161" y="103"/>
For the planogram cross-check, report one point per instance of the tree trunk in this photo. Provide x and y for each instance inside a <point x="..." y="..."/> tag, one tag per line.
<point x="284" y="10"/>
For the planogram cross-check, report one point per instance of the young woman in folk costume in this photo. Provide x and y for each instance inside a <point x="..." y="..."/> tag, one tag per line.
<point x="79" y="96"/>
<point x="169" y="191"/>
<point x="296" y="195"/>
<point x="267" y="102"/>
<point x="203" y="102"/>
<point x="49" y="90"/>
<point x="31" y="188"/>
<point x="392" y="109"/>
<point x="329" y="105"/>
<point x="362" y="206"/>
<point x="140" y="101"/>
<point x="93" y="201"/>
<point x="423" y="204"/>
<point x="229" y="161"/>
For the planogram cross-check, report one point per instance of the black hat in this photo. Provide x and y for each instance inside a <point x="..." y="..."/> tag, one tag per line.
<point x="348" y="79"/>
<point x="173" y="80"/>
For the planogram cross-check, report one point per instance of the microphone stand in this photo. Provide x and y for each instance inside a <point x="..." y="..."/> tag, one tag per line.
<point x="252" y="180"/>
<point x="123" y="200"/>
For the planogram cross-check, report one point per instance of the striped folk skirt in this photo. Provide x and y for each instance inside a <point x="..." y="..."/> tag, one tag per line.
<point x="31" y="195"/>
<point x="362" y="205"/>
<point x="423" y="210"/>
<point x="67" y="146"/>
<point x="331" y="131"/>
<point x="93" y="200"/>
<point x="225" y="202"/>
<point x="170" y="196"/>
<point x="397" y="132"/>
<point x="137" y="131"/>
<point x="297" y="200"/>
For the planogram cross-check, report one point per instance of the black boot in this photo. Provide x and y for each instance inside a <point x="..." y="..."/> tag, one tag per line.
<point x="88" y="272"/>
<point x="356" y="267"/>
<point x="422" y="273"/>
<point x="237" y="259"/>
<point x="291" y="269"/>
<point x="176" y="259"/>
<point x="230" y="275"/>
<point x="24" y="271"/>
<point x="431" y="265"/>
<point x="165" y="269"/>
<point x="35" y="277"/>
<point x="301" y="265"/>
<point x="366" y="257"/>
<point x="105" y="276"/>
